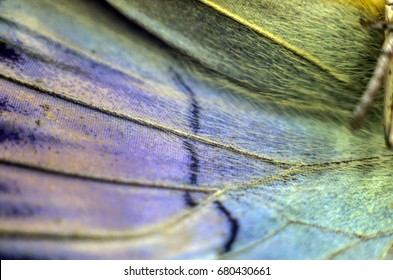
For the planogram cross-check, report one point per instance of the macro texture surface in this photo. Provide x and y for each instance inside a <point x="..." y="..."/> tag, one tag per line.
<point x="190" y="130"/>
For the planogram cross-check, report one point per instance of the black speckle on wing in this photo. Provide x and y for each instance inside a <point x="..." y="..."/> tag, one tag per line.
<point x="193" y="118"/>
<point x="189" y="200"/>
<point x="8" y="53"/>
<point x="194" y="162"/>
<point x="5" y="106"/>
<point x="14" y="210"/>
<point x="8" y="189"/>
<point x="195" y="107"/>
<point x="234" y="227"/>
<point x="16" y="134"/>
<point x="9" y="134"/>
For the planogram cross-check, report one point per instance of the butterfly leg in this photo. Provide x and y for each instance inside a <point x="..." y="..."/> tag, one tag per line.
<point x="374" y="85"/>
<point x="381" y="73"/>
<point x="388" y="108"/>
